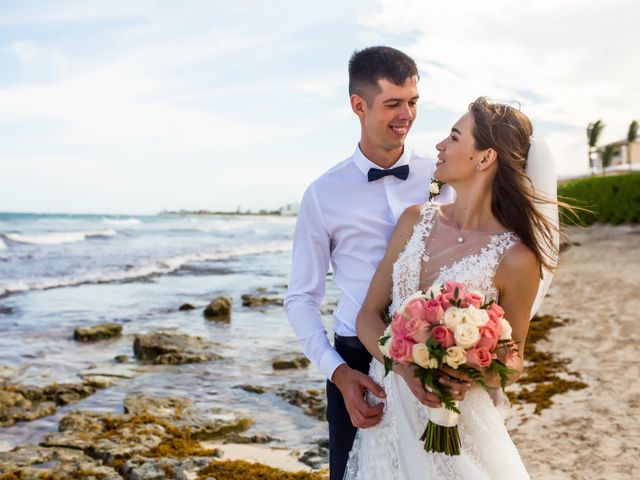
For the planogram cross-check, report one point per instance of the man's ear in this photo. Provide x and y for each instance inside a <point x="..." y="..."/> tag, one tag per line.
<point x="358" y="104"/>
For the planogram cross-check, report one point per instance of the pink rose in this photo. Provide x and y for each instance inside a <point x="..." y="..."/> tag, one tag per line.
<point x="478" y="357"/>
<point x="443" y="336"/>
<point x="401" y="348"/>
<point x="398" y="325"/>
<point x="452" y="291"/>
<point x="434" y="311"/>
<point x="489" y="336"/>
<point x="417" y="329"/>
<point x="416" y="308"/>
<point x="495" y="312"/>
<point x="474" y="299"/>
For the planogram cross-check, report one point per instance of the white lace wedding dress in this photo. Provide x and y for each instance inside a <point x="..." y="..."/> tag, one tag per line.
<point x="392" y="450"/>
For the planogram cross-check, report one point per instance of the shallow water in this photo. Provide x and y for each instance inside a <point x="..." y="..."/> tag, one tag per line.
<point x="220" y="256"/>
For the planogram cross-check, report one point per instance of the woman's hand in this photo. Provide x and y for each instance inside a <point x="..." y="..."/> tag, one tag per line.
<point x="457" y="389"/>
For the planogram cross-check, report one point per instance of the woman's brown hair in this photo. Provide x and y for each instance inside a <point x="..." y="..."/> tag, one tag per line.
<point x="508" y="131"/>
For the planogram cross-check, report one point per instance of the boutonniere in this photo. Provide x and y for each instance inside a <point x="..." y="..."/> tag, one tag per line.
<point x="434" y="188"/>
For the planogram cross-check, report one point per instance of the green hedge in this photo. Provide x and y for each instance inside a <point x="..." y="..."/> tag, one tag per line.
<point x="612" y="199"/>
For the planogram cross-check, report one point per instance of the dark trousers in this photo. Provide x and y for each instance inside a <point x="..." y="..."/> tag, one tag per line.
<point x="341" y="431"/>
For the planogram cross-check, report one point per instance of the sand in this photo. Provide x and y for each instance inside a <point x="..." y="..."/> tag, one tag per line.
<point x="592" y="433"/>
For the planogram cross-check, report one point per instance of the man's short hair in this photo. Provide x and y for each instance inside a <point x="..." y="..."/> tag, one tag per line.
<point x="368" y="66"/>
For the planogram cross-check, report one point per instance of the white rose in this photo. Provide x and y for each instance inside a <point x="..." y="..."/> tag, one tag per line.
<point x="420" y="353"/>
<point x="384" y="348"/>
<point x="434" y="189"/>
<point x="476" y="316"/>
<point x="466" y="335"/>
<point x="505" y="329"/>
<point x="453" y="317"/>
<point x="455" y="356"/>
<point x="387" y="332"/>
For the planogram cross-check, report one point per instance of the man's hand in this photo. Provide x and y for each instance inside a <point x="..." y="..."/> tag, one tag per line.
<point x="353" y="386"/>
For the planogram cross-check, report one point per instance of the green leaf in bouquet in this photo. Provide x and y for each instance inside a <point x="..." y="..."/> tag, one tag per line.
<point x="429" y="378"/>
<point x="387" y="319"/>
<point x="388" y="365"/>
<point x="504" y="372"/>
<point x="475" y="375"/>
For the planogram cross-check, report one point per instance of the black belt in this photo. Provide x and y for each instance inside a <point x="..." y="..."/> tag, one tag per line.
<point x="353" y="342"/>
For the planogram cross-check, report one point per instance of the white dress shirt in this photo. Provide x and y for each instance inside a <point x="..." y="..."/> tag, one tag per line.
<point x="347" y="221"/>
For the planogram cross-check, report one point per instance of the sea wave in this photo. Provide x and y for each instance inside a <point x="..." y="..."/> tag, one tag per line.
<point x="160" y="267"/>
<point x="121" y="221"/>
<point x="3" y="246"/>
<point x="58" y="238"/>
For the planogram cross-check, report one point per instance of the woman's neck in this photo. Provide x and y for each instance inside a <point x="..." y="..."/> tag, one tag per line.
<point x="472" y="209"/>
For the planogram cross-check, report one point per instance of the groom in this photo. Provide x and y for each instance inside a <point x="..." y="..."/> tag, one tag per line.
<point x="345" y="220"/>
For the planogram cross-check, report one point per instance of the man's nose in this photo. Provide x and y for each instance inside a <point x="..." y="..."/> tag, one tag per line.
<point x="406" y="112"/>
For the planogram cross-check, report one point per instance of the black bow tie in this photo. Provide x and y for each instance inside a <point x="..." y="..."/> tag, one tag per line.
<point x="401" y="172"/>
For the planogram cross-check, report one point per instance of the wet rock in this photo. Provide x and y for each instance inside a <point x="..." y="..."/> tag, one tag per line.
<point x="203" y="424"/>
<point x="26" y="403"/>
<point x="141" y="468"/>
<point x="297" y="362"/>
<point x="98" y="381"/>
<point x="186" y="307"/>
<point x="253" y="389"/>
<point x="6" y="310"/>
<point x="121" y="358"/>
<point x="35" y="462"/>
<point x="316" y="458"/>
<point x="312" y="402"/>
<point x="172" y="349"/>
<point x="98" y="332"/>
<point x="257" y="438"/>
<point x="258" y="300"/>
<point x="219" y="309"/>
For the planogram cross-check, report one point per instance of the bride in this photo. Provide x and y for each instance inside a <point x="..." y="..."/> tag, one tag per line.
<point x="497" y="240"/>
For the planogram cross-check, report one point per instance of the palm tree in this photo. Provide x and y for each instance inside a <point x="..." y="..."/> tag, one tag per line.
<point x="593" y="133"/>
<point x="631" y="137"/>
<point x="607" y="154"/>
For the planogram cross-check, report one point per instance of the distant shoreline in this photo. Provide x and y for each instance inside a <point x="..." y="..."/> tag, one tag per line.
<point x="260" y="213"/>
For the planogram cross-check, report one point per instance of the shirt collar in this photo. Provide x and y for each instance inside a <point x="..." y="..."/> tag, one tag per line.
<point x="364" y="164"/>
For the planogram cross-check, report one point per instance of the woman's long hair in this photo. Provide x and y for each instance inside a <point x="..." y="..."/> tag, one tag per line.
<point x="508" y="131"/>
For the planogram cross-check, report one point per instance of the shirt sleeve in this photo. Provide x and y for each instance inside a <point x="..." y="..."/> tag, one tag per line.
<point x="310" y="263"/>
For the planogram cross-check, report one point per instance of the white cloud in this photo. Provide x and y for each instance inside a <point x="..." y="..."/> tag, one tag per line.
<point x="567" y="63"/>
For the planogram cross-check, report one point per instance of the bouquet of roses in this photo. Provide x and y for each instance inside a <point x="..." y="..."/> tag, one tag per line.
<point x="448" y="325"/>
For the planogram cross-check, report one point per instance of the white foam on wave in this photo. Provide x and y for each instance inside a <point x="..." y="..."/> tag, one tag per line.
<point x="3" y="246"/>
<point x="121" y="221"/>
<point x="161" y="267"/>
<point x="58" y="238"/>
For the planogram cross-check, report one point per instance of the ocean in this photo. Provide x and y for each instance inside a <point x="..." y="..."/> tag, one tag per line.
<point x="62" y="271"/>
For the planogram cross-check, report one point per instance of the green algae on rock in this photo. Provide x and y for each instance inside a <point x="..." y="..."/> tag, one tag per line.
<point x="239" y="469"/>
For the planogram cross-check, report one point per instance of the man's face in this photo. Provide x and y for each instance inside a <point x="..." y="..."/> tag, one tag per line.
<point x="388" y="119"/>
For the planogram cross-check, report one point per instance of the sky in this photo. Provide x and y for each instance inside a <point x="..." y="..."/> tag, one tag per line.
<point x="138" y="106"/>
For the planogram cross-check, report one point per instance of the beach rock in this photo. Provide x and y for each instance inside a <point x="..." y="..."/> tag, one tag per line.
<point x="219" y="309"/>
<point x="312" y="401"/>
<point x="121" y="358"/>
<point x="163" y="348"/>
<point x="27" y="402"/>
<point x="53" y="463"/>
<point x="202" y="423"/>
<point x="110" y="370"/>
<point x="142" y="468"/>
<point x="297" y="362"/>
<point x="315" y="458"/>
<point x="98" y="332"/>
<point x="6" y="310"/>
<point x="252" y="389"/>
<point x="258" y="300"/>
<point x="257" y="438"/>
<point x="186" y="307"/>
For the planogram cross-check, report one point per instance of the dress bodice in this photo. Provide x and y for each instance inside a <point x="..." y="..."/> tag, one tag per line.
<point x="433" y="256"/>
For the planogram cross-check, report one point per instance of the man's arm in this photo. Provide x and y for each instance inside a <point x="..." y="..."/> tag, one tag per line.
<point x="309" y="266"/>
<point x="310" y="263"/>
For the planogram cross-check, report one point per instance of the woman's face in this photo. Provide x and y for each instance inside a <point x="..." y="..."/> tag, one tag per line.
<point x="458" y="156"/>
